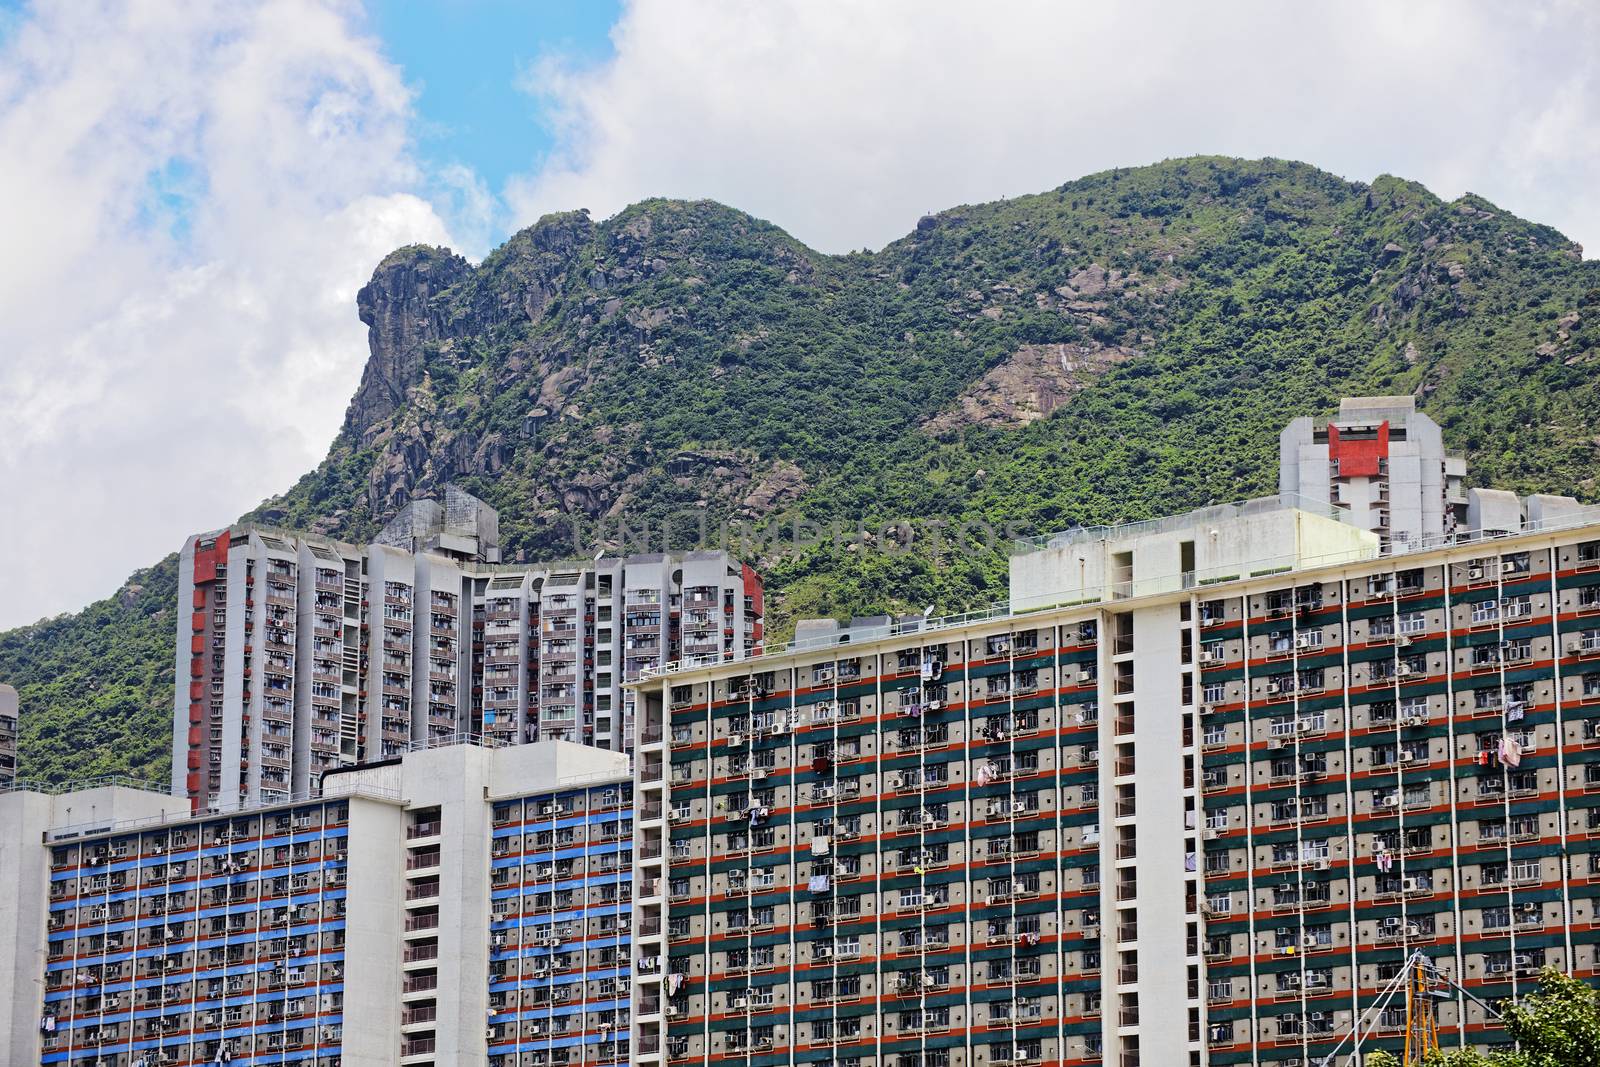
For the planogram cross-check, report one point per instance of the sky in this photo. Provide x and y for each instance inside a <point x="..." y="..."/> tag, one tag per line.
<point x="191" y="194"/>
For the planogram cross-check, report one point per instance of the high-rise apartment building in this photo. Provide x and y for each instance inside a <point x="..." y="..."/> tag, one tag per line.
<point x="1192" y="800"/>
<point x="464" y="905"/>
<point x="1384" y="462"/>
<point x="8" y="736"/>
<point x="299" y="654"/>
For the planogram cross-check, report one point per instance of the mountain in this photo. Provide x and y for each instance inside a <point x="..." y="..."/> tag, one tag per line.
<point x="1126" y="345"/>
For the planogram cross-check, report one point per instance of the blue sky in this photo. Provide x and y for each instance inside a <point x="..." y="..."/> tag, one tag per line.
<point x="465" y="59"/>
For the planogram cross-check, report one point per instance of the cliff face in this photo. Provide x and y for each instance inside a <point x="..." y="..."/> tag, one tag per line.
<point x="398" y="306"/>
<point x="1126" y="345"/>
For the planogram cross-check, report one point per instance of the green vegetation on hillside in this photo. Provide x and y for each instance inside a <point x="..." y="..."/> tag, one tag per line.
<point x="96" y="687"/>
<point x="684" y="358"/>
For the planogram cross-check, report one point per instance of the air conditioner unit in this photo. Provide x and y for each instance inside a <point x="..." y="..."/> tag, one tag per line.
<point x="935" y="705"/>
<point x="1276" y="743"/>
<point x="1408" y="757"/>
<point x="1389" y="802"/>
<point x="1324" y="864"/>
<point x="1416" y="720"/>
<point x="1303" y="641"/>
<point x="1308" y="942"/>
<point x="1274" y="688"/>
<point x="1410" y="885"/>
<point x="1210" y="834"/>
<point x="1507" y="567"/>
<point x="741" y="1003"/>
<point x="735" y="740"/>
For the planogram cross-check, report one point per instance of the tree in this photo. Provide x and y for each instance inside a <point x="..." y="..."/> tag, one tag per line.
<point x="1557" y="1026"/>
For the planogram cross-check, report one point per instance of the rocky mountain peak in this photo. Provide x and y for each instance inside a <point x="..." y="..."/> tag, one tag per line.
<point x="400" y="309"/>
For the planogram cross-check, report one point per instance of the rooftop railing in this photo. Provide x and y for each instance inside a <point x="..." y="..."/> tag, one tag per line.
<point x="121" y="781"/>
<point x="98" y="828"/>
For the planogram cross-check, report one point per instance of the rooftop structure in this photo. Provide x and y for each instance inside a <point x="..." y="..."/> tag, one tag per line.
<point x="463" y="528"/>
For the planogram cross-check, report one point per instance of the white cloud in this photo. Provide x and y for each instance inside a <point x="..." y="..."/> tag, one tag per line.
<point x="191" y="196"/>
<point x="843" y="122"/>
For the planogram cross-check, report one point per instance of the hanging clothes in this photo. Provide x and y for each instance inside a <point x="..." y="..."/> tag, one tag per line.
<point x="819" y="846"/>
<point x="1510" y="751"/>
<point x="819" y="883"/>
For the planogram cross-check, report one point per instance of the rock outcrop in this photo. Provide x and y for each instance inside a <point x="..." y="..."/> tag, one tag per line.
<point x="1030" y="384"/>
<point x="399" y="307"/>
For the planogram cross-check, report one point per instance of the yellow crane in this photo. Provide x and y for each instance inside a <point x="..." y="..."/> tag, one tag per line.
<point x="1423" y="986"/>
